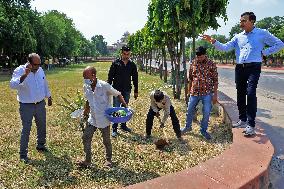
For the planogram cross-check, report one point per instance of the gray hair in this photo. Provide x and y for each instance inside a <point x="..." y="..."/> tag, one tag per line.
<point x="33" y="55"/>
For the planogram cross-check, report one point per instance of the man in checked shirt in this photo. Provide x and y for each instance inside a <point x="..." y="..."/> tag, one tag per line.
<point x="203" y="85"/>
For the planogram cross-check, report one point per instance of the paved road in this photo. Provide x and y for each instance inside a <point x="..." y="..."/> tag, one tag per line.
<point x="270" y="114"/>
<point x="272" y="83"/>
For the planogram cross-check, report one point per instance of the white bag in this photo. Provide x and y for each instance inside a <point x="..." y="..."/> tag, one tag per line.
<point x="77" y="113"/>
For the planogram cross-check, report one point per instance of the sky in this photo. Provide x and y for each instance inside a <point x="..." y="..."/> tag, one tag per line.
<point x="111" y="18"/>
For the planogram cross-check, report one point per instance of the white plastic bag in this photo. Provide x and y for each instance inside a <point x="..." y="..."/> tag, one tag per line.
<point x="77" y="113"/>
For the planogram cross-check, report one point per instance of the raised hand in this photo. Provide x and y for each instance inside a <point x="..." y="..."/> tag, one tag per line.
<point x="208" y="38"/>
<point x="28" y="69"/>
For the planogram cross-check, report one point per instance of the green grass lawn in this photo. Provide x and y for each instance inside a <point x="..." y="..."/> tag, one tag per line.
<point x="135" y="159"/>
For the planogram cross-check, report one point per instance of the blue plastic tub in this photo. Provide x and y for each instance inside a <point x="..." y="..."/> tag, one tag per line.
<point x="123" y="119"/>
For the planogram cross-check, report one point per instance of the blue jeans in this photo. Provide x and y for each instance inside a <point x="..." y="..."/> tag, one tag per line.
<point x="206" y="109"/>
<point x="246" y="79"/>
<point x="116" y="103"/>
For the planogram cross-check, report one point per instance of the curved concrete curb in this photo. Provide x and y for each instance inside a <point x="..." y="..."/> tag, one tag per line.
<point x="243" y="165"/>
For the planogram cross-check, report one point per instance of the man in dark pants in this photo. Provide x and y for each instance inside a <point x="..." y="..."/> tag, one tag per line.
<point x="249" y="47"/>
<point x="120" y="74"/>
<point x="30" y="82"/>
<point x="160" y="100"/>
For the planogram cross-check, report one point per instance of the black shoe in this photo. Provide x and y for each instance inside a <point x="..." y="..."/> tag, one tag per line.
<point x="126" y="129"/>
<point x="42" y="149"/>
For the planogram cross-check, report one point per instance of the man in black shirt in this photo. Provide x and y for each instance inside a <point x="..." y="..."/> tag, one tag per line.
<point x="120" y="74"/>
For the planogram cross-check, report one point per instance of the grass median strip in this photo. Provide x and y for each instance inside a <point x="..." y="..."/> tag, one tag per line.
<point x="136" y="159"/>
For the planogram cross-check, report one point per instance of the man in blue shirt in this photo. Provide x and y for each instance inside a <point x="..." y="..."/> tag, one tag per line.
<point x="249" y="48"/>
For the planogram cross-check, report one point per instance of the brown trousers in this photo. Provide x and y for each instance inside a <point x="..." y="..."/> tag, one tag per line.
<point x="87" y="141"/>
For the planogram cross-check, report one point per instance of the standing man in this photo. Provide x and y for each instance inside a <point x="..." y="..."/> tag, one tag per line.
<point x="30" y="82"/>
<point x="98" y="94"/>
<point x="202" y="86"/>
<point x="120" y="74"/>
<point x="249" y="47"/>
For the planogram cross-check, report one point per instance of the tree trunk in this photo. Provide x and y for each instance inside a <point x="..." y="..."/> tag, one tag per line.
<point x="184" y="68"/>
<point x="165" y="64"/>
<point x="150" y="54"/>
<point x="178" y="78"/>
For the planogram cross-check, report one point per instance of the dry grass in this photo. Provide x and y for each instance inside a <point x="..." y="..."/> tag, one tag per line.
<point x="136" y="159"/>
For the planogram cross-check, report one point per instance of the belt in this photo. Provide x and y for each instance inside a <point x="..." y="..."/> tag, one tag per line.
<point x="246" y="65"/>
<point x="33" y="102"/>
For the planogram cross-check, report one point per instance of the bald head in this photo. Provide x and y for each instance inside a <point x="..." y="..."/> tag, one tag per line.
<point x="90" y="73"/>
<point x="34" y="60"/>
<point x="90" y="69"/>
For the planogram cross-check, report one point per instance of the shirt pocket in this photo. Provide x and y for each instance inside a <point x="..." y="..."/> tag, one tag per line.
<point x="40" y="81"/>
<point x="102" y="96"/>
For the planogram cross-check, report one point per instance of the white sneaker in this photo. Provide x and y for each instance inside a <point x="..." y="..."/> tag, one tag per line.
<point x="240" y="124"/>
<point x="246" y="128"/>
<point x="249" y="131"/>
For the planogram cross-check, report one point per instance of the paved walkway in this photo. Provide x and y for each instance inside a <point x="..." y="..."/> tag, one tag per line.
<point x="270" y="116"/>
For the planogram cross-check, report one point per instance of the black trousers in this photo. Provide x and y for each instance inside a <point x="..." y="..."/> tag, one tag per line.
<point x="175" y="122"/>
<point x="247" y="77"/>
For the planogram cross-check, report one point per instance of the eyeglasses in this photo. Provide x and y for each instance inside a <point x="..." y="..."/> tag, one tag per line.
<point x="36" y="64"/>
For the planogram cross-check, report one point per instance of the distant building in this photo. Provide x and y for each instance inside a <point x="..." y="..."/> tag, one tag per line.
<point x="122" y="41"/>
<point x="111" y="49"/>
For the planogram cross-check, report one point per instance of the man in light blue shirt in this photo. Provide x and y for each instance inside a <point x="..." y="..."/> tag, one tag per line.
<point x="249" y="48"/>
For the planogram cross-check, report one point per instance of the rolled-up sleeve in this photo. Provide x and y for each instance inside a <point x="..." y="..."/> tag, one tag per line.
<point x="111" y="90"/>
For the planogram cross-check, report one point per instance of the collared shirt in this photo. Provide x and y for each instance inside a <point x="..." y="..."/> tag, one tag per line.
<point x="249" y="46"/>
<point x="33" y="89"/>
<point x="99" y="101"/>
<point x="204" y="76"/>
<point x="120" y="76"/>
<point x="165" y="104"/>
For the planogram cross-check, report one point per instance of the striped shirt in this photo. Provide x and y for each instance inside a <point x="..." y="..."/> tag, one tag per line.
<point x="203" y="76"/>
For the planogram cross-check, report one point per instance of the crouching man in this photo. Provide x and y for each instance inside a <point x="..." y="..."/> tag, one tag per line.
<point x="98" y="94"/>
<point x="160" y="100"/>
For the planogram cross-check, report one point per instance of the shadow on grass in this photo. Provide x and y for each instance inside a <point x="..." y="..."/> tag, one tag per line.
<point x="124" y="176"/>
<point x="54" y="171"/>
<point x="174" y="144"/>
